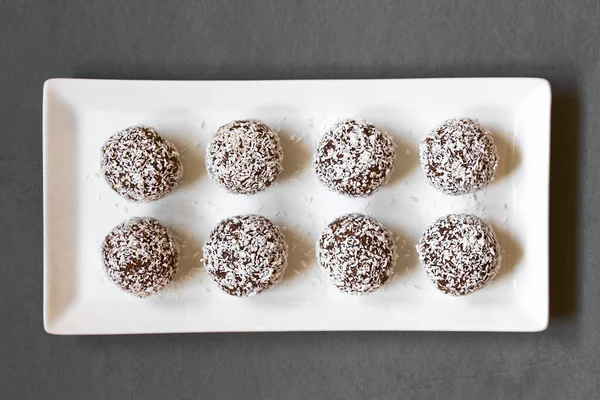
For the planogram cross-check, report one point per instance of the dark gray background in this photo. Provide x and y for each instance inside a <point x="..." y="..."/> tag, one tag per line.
<point x="557" y="40"/>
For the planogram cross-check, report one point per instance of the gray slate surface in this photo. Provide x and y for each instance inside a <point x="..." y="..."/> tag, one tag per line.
<point x="557" y="40"/>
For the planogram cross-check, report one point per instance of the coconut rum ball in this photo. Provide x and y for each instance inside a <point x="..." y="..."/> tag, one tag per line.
<point x="245" y="255"/>
<point x="460" y="253"/>
<point x="244" y="157"/>
<point x="354" y="158"/>
<point x="459" y="157"/>
<point x="357" y="253"/>
<point x="141" y="256"/>
<point x="140" y="165"/>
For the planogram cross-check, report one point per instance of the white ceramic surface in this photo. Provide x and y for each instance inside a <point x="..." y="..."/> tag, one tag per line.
<point x="80" y="208"/>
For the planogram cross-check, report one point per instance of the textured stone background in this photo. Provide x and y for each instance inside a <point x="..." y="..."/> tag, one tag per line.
<point x="155" y="39"/>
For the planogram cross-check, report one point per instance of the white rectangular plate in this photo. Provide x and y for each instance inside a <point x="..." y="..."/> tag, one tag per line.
<point x="80" y="208"/>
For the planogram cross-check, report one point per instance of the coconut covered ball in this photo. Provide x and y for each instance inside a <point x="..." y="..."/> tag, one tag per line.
<point x="244" y="157"/>
<point x="140" y="165"/>
<point x="141" y="256"/>
<point x="357" y="253"/>
<point x="245" y="255"/>
<point x="459" y="157"/>
<point x="354" y="158"/>
<point x="460" y="254"/>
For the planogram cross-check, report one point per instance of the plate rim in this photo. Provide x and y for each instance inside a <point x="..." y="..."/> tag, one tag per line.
<point x="539" y="322"/>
